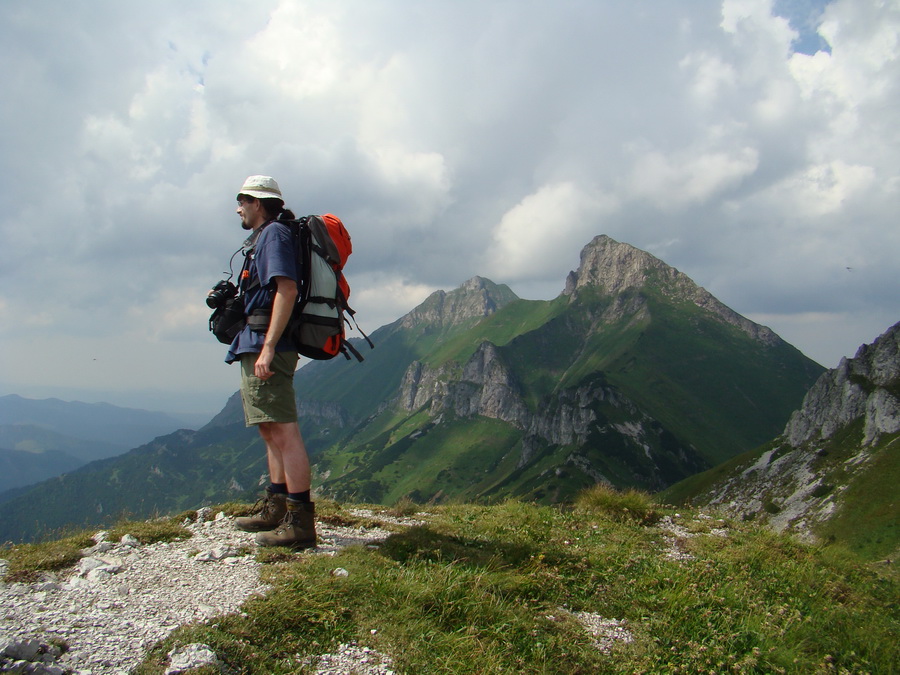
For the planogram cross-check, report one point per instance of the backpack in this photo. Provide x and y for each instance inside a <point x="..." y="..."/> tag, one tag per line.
<point x="317" y="327"/>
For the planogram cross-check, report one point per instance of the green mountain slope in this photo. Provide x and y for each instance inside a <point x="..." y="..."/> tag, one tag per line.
<point x="707" y="381"/>
<point x="170" y="474"/>
<point x="32" y="438"/>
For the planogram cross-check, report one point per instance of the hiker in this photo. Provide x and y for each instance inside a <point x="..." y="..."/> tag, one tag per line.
<point x="285" y="515"/>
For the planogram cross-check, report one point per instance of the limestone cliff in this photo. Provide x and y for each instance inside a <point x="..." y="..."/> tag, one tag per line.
<point x="483" y="386"/>
<point x="486" y="386"/>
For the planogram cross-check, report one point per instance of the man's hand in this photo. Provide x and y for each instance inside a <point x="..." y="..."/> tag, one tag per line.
<point x="262" y="368"/>
<point x="282" y="307"/>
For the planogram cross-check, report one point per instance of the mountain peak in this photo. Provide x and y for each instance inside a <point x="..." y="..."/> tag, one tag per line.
<point x="615" y="267"/>
<point x="476" y="298"/>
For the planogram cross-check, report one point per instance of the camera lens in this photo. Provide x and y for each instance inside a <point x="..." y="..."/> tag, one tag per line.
<point x="220" y="293"/>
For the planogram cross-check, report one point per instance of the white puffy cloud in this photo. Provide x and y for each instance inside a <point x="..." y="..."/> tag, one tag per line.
<point x="821" y="189"/>
<point x="690" y="176"/>
<point x="386" y="297"/>
<point x="538" y="231"/>
<point x="709" y="76"/>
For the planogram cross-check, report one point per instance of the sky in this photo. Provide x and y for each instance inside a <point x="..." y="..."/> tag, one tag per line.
<point x="752" y="144"/>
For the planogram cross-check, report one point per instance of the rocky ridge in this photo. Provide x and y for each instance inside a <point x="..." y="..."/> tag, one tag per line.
<point x="792" y="485"/>
<point x="485" y="386"/>
<point x="867" y="386"/>
<point x="615" y="267"/>
<point x="475" y="299"/>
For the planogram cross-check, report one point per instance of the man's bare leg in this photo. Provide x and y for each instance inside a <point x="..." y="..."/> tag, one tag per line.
<point x="286" y="452"/>
<point x="288" y="458"/>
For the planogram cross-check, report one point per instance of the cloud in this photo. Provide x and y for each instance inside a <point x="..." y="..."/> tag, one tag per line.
<point x="690" y="176"/>
<point x="537" y="231"/>
<point x="709" y="76"/>
<point x="175" y="315"/>
<point x="852" y="85"/>
<point x="387" y="296"/>
<point x="822" y="189"/>
<point x="454" y="139"/>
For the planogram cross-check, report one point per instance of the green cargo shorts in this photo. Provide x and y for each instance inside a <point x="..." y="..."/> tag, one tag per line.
<point x="269" y="400"/>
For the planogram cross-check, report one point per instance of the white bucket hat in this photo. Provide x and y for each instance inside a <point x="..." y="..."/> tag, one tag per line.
<point x="261" y="187"/>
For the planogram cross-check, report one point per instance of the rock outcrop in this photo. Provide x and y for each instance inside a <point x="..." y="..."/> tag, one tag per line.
<point x="866" y="386"/>
<point x="486" y="386"/>
<point x="475" y="299"/>
<point x="483" y="386"/>
<point x="801" y="482"/>
<point x="323" y="412"/>
<point x="615" y="267"/>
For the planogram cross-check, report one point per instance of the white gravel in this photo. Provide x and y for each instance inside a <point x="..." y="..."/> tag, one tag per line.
<point x="123" y="597"/>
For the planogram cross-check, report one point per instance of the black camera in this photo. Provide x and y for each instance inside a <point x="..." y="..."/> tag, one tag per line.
<point x="220" y="294"/>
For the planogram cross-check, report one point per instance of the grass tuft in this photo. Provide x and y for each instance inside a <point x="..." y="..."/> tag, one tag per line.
<point x="620" y="505"/>
<point x="27" y="561"/>
<point x="404" y="507"/>
<point x="151" y="531"/>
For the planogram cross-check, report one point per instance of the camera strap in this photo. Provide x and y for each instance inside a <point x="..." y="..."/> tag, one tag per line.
<point x="248" y="247"/>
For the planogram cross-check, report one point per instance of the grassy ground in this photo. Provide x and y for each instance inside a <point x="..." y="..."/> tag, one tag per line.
<point x="514" y="588"/>
<point x="502" y="589"/>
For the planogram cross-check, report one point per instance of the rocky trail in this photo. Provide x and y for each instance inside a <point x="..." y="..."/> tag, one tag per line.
<point x="123" y="597"/>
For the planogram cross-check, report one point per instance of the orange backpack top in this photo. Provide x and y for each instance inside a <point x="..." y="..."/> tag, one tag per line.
<point x="317" y="327"/>
<point x="337" y="235"/>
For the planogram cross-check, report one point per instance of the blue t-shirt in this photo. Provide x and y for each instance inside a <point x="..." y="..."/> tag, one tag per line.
<point x="273" y="256"/>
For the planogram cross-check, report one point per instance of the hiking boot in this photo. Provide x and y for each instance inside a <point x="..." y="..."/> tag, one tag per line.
<point x="296" y="531"/>
<point x="268" y="513"/>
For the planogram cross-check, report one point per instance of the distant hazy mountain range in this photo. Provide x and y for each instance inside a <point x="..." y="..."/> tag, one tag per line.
<point x="40" y="439"/>
<point x="634" y="375"/>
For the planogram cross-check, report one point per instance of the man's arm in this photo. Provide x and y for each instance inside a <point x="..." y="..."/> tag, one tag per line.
<point x="282" y="308"/>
